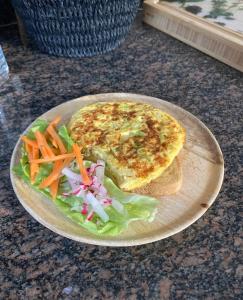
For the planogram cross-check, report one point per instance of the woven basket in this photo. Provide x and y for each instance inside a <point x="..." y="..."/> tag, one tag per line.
<point x="76" y="28"/>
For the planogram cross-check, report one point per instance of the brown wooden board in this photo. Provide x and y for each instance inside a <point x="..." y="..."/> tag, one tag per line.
<point x="219" y="42"/>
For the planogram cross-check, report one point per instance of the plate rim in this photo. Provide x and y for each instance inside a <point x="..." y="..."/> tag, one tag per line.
<point x="121" y="243"/>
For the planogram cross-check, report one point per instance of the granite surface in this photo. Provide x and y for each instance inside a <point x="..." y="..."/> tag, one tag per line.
<point x="202" y="262"/>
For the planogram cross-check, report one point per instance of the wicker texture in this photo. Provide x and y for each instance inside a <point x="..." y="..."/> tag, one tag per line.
<point x="76" y="28"/>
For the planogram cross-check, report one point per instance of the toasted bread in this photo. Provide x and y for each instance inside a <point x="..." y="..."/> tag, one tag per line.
<point x="168" y="183"/>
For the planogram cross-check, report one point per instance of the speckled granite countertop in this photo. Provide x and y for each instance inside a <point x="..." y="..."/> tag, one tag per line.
<point x="203" y="261"/>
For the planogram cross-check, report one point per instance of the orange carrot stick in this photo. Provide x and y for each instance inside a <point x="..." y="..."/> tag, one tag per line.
<point x="67" y="162"/>
<point x="51" y="159"/>
<point x="56" y="151"/>
<point x="55" y="121"/>
<point x="28" y="149"/>
<point x="58" y="166"/>
<point x="54" y="143"/>
<point x="79" y="158"/>
<point x="54" y="188"/>
<point x="29" y="141"/>
<point x="43" y="145"/>
<point x="49" y="151"/>
<point x="34" y="168"/>
<point x="52" y="132"/>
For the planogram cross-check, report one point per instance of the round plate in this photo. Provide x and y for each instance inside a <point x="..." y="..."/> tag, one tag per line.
<point x="202" y="167"/>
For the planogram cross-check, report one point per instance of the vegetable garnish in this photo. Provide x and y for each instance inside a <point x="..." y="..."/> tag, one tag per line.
<point x="54" y="166"/>
<point x="45" y="149"/>
<point x="54" y="188"/>
<point x="34" y="168"/>
<point x="29" y="142"/>
<point x="51" y="159"/>
<point x="57" y="140"/>
<point x="79" y="158"/>
<point x="54" y="143"/>
<point x="32" y="153"/>
<point x="58" y="166"/>
<point x="54" y="122"/>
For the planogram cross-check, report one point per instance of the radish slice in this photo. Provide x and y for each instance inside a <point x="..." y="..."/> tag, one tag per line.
<point x="71" y="175"/>
<point x="97" y="207"/>
<point x="84" y="210"/>
<point x="100" y="170"/>
<point x="95" y="194"/>
<point x="91" y="169"/>
<point x="97" y="187"/>
<point x="74" y="185"/>
<point x="81" y="194"/>
<point x="90" y="216"/>
<point x="102" y="191"/>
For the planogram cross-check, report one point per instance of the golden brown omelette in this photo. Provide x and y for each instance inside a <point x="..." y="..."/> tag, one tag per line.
<point x="137" y="141"/>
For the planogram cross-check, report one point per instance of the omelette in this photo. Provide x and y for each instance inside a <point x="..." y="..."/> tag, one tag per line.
<point x="137" y="141"/>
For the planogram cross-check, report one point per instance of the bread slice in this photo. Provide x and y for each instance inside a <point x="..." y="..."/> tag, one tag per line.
<point x="167" y="184"/>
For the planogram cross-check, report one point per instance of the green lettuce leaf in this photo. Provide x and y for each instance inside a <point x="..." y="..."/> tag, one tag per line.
<point x="63" y="132"/>
<point x="39" y="125"/>
<point x="136" y="207"/>
<point x="44" y="171"/>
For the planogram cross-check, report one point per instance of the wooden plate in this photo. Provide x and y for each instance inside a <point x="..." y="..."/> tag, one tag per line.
<point x="203" y="171"/>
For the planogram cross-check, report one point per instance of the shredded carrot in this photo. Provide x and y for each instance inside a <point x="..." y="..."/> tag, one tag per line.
<point x="28" y="149"/>
<point x="34" y="168"/>
<point x="55" y="151"/>
<point x="79" y="158"/>
<point x="67" y="162"/>
<point x="29" y="141"/>
<point x="54" y="143"/>
<point x="35" y="152"/>
<point x="46" y="135"/>
<point x="49" y="151"/>
<point x="55" y="121"/>
<point x="39" y="151"/>
<point x="43" y="145"/>
<point x="52" y="132"/>
<point x="58" y="166"/>
<point x="51" y="159"/>
<point x="54" y="188"/>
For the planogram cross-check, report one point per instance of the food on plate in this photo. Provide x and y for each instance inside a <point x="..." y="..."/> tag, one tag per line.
<point x="137" y="141"/>
<point x="108" y="149"/>
<point x="55" y="166"/>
